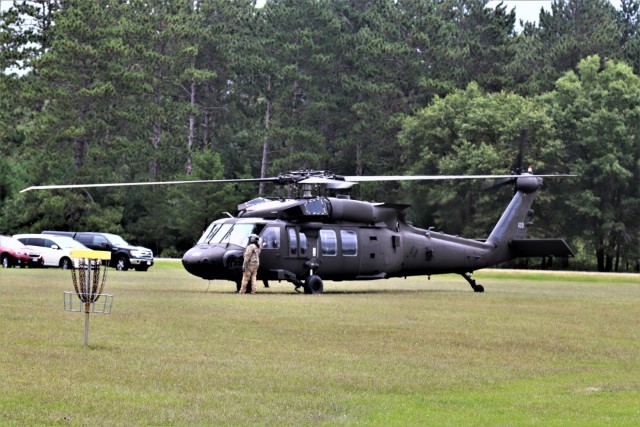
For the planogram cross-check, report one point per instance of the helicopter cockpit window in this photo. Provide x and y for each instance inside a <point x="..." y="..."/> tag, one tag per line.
<point x="239" y="234"/>
<point x="235" y="234"/>
<point x="215" y="233"/>
<point x="329" y="242"/>
<point x="349" y="242"/>
<point x="210" y="232"/>
<point x="271" y="238"/>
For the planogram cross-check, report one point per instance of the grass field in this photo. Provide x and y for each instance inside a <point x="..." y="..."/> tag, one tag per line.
<point x="534" y="349"/>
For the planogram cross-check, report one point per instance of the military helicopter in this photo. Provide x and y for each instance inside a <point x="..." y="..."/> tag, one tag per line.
<point x="310" y="238"/>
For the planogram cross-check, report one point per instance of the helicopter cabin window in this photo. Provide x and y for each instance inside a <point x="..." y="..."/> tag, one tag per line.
<point x="349" y="242"/>
<point x="296" y="243"/>
<point x="271" y="238"/>
<point x="329" y="242"/>
<point x="293" y="241"/>
<point x="303" y="243"/>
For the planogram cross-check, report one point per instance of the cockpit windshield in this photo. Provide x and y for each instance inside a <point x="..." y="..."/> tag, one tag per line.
<point x="231" y="233"/>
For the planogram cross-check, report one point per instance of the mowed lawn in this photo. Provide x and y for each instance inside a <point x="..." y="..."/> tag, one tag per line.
<point x="534" y="349"/>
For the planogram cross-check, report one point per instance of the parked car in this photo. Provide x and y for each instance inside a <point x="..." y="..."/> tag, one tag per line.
<point x="13" y="253"/>
<point x="55" y="250"/>
<point x="123" y="255"/>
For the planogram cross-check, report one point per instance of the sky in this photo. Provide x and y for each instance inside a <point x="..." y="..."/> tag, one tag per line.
<point x="529" y="10"/>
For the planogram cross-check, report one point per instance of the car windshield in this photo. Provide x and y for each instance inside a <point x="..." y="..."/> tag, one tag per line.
<point x="70" y="244"/>
<point x="10" y="242"/>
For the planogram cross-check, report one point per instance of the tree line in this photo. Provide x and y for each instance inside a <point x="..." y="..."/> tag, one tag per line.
<point x="113" y="91"/>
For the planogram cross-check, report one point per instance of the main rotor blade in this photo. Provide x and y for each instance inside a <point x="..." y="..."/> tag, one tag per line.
<point x="130" y="184"/>
<point x="339" y="182"/>
<point x="438" y="177"/>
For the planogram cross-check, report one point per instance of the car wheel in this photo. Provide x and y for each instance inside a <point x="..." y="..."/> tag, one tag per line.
<point x="65" y="263"/>
<point x="6" y="261"/>
<point x="122" y="264"/>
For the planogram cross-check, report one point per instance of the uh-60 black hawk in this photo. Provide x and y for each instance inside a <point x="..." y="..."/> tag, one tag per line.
<point x="310" y="238"/>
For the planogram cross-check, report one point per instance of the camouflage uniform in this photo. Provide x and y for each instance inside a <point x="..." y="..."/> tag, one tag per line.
<point x="250" y="267"/>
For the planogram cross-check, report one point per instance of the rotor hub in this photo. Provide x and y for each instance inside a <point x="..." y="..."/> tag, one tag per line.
<point x="528" y="183"/>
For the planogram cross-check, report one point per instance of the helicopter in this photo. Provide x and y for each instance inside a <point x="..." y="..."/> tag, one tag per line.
<point x="310" y="238"/>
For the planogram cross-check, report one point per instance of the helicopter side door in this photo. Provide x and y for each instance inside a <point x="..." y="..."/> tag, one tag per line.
<point x="381" y="253"/>
<point x="372" y="257"/>
<point x="296" y="253"/>
<point x="339" y="254"/>
<point x="270" y="255"/>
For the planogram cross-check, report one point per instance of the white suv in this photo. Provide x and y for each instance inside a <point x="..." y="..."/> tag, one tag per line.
<point x="55" y="250"/>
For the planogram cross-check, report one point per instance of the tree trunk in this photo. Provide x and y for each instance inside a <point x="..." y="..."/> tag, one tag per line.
<point x="600" y="258"/>
<point x="265" y="144"/>
<point x="205" y="130"/>
<point x="155" y="143"/>
<point x="81" y="149"/>
<point x="192" y="129"/>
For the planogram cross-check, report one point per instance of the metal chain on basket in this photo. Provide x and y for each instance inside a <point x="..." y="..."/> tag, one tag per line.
<point x="98" y="285"/>
<point x="80" y="276"/>
<point x="78" y="282"/>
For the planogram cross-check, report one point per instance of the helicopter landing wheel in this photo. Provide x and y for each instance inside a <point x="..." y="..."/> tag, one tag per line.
<point x="472" y="282"/>
<point x="313" y="285"/>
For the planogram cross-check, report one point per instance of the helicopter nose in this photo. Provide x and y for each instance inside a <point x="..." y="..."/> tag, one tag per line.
<point x="203" y="260"/>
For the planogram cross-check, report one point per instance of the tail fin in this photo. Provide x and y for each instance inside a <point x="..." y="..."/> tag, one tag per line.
<point x="513" y="222"/>
<point x="508" y="234"/>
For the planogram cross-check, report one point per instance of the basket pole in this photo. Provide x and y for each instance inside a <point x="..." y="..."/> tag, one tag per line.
<point x="87" y="304"/>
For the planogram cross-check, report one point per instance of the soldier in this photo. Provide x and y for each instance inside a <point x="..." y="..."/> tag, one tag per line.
<point x="250" y="264"/>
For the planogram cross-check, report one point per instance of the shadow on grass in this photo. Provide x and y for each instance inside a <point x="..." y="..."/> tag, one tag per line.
<point x="340" y="292"/>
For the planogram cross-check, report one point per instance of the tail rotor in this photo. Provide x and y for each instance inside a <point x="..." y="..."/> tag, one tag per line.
<point x="517" y="168"/>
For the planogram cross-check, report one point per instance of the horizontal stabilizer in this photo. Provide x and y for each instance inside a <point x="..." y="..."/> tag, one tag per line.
<point x="540" y="248"/>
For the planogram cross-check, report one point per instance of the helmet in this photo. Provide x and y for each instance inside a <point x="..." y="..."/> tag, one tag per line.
<point x="254" y="239"/>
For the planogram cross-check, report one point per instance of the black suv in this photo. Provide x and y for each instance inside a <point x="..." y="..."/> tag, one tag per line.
<point x="123" y="255"/>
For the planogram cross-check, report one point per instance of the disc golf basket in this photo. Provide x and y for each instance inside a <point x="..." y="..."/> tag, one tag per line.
<point x="89" y="276"/>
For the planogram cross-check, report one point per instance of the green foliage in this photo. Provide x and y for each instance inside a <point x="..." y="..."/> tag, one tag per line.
<point x="568" y="33"/>
<point x="111" y="91"/>
<point x="77" y="211"/>
<point x="629" y="20"/>
<point x="597" y="111"/>
<point x="469" y="132"/>
<point x="192" y="207"/>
